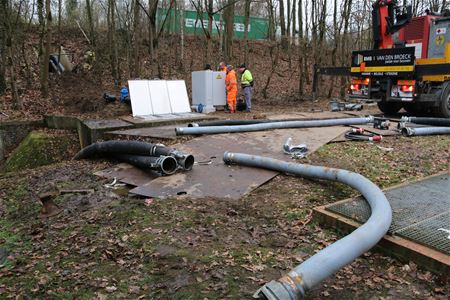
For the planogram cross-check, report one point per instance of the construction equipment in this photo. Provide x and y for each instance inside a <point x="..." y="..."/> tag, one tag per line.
<point x="409" y="66"/>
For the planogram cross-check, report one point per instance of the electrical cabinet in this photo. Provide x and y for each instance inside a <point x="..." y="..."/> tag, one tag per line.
<point x="208" y="89"/>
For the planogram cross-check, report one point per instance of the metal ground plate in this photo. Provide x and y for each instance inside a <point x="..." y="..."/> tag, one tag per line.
<point x="418" y="210"/>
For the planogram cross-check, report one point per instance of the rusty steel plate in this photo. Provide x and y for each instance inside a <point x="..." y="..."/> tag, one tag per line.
<point x="212" y="178"/>
<point x="128" y="174"/>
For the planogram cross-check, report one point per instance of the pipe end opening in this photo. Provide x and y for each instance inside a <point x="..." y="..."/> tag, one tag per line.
<point x="188" y="162"/>
<point x="406" y="131"/>
<point x="169" y="165"/>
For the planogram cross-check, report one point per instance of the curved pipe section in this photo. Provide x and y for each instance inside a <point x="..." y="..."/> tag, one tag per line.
<point x="167" y="165"/>
<point x="409" y="131"/>
<point x="293" y="285"/>
<point x="426" y="121"/>
<point x="272" y="125"/>
<point x="185" y="161"/>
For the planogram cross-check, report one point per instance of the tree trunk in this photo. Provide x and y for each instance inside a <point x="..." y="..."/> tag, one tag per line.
<point x="136" y="40"/>
<point x="2" y="49"/>
<point x="300" y="49"/>
<point x="271" y="15"/>
<point x="294" y="22"/>
<point x="346" y="16"/>
<point x="9" y="38"/>
<point x="246" y="21"/>
<point x="209" y="5"/>
<point x="43" y="54"/>
<point x="115" y="72"/>
<point x="228" y="16"/>
<point x="283" y="26"/>
<point x="92" y="36"/>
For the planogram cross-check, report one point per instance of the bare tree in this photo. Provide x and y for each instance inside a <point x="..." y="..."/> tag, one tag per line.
<point x="8" y="36"/>
<point x="228" y="16"/>
<point x="92" y="35"/>
<point x="282" y="25"/>
<point x="136" y="39"/>
<point x="113" y="51"/>
<point x="246" y="21"/>
<point x="3" y="34"/>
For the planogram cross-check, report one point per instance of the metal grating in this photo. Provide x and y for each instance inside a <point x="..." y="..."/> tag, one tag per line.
<point x="431" y="232"/>
<point x="414" y="205"/>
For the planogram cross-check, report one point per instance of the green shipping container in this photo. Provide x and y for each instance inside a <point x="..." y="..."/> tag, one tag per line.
<point x="257" y="28"/>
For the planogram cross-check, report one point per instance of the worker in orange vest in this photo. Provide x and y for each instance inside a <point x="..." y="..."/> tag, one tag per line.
<point x="222" y="67"/>
<point x="231" y="84"/>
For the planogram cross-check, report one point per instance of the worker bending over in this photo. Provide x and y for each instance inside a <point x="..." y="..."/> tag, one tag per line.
<point x="247" y="85"/>
<point x="231" y="84"/>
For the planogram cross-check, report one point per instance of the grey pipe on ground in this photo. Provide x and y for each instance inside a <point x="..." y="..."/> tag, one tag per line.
<point x="426" y="121"/>
<point x="272" y="125"/>
<point x="246" y="122"/>
<point x="410" y="131"/>
<point x="323" y="264"/>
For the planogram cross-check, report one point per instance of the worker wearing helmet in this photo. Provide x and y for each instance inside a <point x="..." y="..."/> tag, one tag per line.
<point x="247" y="85"/>
<point x="231" y="84"/>
<point x="222" y="67"/>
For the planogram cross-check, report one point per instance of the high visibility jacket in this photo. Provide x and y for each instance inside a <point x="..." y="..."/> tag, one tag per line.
<point x="223" y="69"/>
<point x="231" y="81"/>
<point x="246" y="78"/>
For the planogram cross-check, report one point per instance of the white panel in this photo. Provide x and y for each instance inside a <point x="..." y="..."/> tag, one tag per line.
<point x="140" y="98"/>
<point x="159" y="96"/>
<point x="218" y="88"/>
<point x="179" y="100"/>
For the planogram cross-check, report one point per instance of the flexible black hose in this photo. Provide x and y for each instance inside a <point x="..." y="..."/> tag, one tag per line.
<point x="186" y="161"/>
<point x="164" y="164"/>
<point x="427" y="121"/>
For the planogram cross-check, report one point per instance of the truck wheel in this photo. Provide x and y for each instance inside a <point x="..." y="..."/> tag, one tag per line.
<point x="389" y="107"/>
<point x="444" y="105"/>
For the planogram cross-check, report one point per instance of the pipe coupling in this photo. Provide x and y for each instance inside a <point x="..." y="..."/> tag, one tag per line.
<point x="228" y="157"/>
<point x="370" y="119"/>
<point x="179" y="130"/>
<point x="407" y="131"/>
<point x="405" y="119"/>
<point x="285" y="288"/>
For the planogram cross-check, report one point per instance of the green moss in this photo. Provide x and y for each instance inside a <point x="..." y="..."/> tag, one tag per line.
<point x="38" y="149"/>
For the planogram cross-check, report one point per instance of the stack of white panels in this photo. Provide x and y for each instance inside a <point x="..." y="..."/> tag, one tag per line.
<point x="158" y="97"/>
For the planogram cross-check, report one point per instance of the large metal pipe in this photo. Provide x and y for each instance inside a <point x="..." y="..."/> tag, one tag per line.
<point x="245" y="122"/>
<point x="426" y="121"/>
<point x="272" y="125"/>
<point x="293" y="285"/>
<point x="185" y="161"/>
<point x="409" y="131"/>
<point x="165" y="164"/>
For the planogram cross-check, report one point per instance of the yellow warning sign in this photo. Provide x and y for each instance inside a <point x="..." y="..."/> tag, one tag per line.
<point x="440" y="40"/>
<point x="219" y="77"/>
